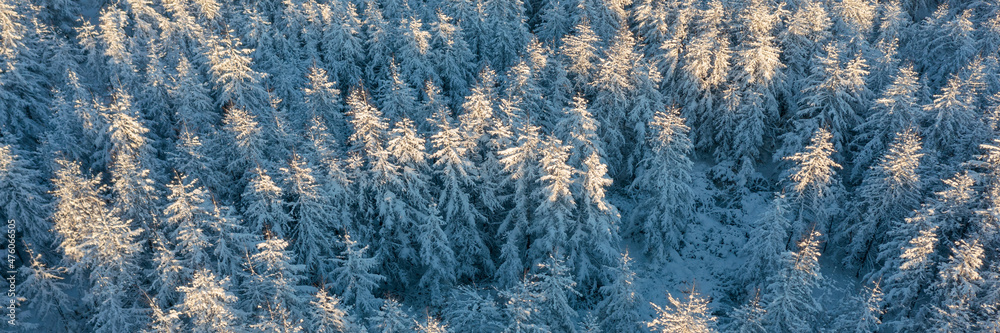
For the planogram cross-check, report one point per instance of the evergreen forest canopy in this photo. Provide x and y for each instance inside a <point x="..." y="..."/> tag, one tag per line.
<point x="502" y="165"/>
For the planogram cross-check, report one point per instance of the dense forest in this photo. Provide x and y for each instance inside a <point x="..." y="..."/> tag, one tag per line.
<point x="500" y="165"/>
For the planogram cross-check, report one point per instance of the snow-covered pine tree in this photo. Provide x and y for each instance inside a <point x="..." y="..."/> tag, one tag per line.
<point x="668" y="174"/>
<point x="236" y="83"/>
<point x="264" y="206"/>
<point x="813" y="182"/>
<point x="607" y="17"/>
<point x="619" y="306"/>
<point x="555" y="286"/>
<point x="686" y="316"/>
<point x="23" y="197"/>
<point x="594" y="238"/>
<point x="553" y="218"/>
<point x="554" y="22"/>
<point x="354" y="278"/>
<point x="888" y="193"/>
<point x="463" y="220"/>
<point x="617" y="79"/>
<point x="25" y="95"/>
<point x="758" y="81"/>
<point x="506" y="32"/>
<point x="766" y="244"/>
<point x="480" y="122"/>
<point x="436" y="255"/>
<point x="897" y="109"/>
<point x="413" y="205"/>
<point x="806" y="32"/>
<point x="242" y="132"/>
<point x="957" y="289"/>
<point x="167" y="273"/>
<point x="790" y="304"/>
<point x="706" y="63"/>
<point x="865" y="314"/>
<point x="391" y="318"/>
<point x="470" y="311"/>
<point x="854" y="20"/>
<point x="451" y="56"/>
<point x="522" y="308"/>
<point x="521" y="163"/>
<point x="120" y="62"/>
<point x="97" y="243"/>
<point x="44" y="295"/>
<point x="832" y="97"/>
<point x="330" y="315"/>
<point x="944" y="43"/>
<point x="190" y="98"/>
<point x="397" y="98"/>
<point x="342" y="41"/>
<point x="275" y="274"/>
<point x="189" y="224"/>
<point x="208" y="304"/>
<point x="749" y="317"/>
<point x="322" y="99"/>
<point x="884" y="53"/>
<point x="413" y="51"/>
<point x="912" y="274"/>
<point x="952" y="121"/>
<point x="310" y="209"/>
<point x="132" y="159"/>
<point x="910" y="256"/>
<point x="580" y="50"/>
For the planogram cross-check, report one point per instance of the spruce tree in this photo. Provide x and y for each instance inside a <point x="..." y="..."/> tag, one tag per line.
<point x="667" y="174"/>
<point x="208" y="304"/>
<point x="687" y="316"/>
<point x="619" y="307"/>
<point x="790" y="304"/>
<point x="354" y="278"/>
<point x="764" y="248"/>
<point x="813" y="182"/>
<point x="463" y="220"/>
<point x="889" y="192"/>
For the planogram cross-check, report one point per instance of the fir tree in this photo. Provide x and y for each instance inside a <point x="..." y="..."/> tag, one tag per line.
<point x="437" y="257"/>
<point x="866" y="314"/>
<point x="463" y="220"/>
<point x="310" y="209"/>
<point x="553" y="217"/>
<point x="832" y="97"/>
<point x="958" y="287"/>
<point x="276" y="275"/>
<point x="951" y="117"/>
<point x="470" y="310"/>
<point x="595" y="235"/>
<point x="619" y="307"/>
<point x="897" y="109"/>
<point x="687" y="316"/>
<point x="208" y="304"/>
<point x="391" y="318"/>
<point x="329" y="315"/>
<point x="766" y="244"/>
<point x="189" y="218"/>
<point x="888" y="193"/>
<point x="451" y="55"/>
<point x="749" y="318"/>
<point x="580" y="49"/>
<point x="790" y="304"/>
<point x="813" y="181"/>
<point x="265" y="207"/>
<point x="354" y="278"/>
<point x="22" y="196"/>
<point x="668" y="174"/>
